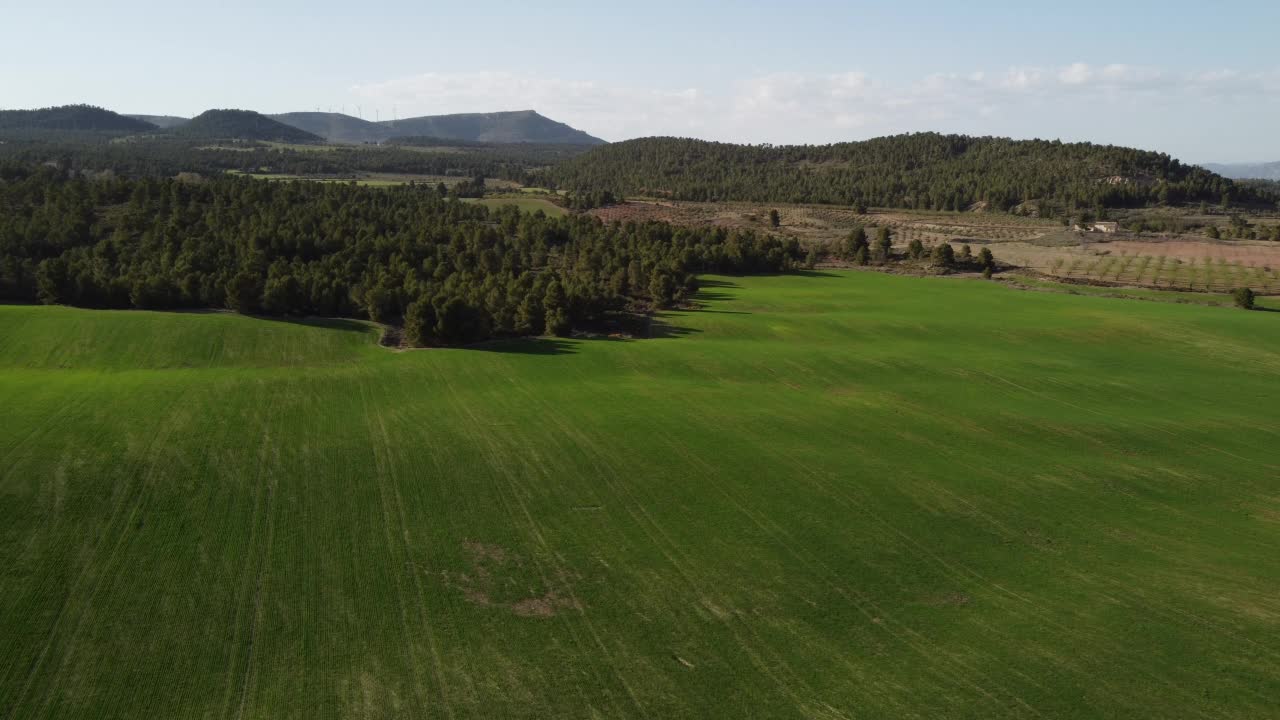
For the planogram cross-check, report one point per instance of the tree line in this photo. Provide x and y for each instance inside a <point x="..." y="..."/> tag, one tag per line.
<point x="925" y="171"/>
<point x="151" y="156"/>
<point x="454" y="272"/>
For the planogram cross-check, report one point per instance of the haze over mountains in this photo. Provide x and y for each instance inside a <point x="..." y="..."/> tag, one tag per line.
<point x="1246" y="171"/>
<point x="524" y="126"/>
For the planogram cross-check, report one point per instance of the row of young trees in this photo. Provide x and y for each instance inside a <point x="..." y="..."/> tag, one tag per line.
<point x="858" y="248"/>
<point x="923" y="171"/>
<point x="455" y="272"/>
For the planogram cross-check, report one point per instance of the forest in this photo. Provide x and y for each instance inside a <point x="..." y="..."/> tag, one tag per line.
<point x="454" y="272"/>
<point x="154" y="156"/>
<point x="927" y="171"/>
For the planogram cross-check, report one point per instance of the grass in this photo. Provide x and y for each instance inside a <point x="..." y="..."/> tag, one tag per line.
<point x="526" y="204"/>
<point x="1213" y="299"/>
<point x="833" y="495"/>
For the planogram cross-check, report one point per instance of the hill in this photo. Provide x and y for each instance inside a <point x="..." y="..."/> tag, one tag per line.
<point x="241" y="125"/>
<point x="924" y="171"/>
<point x="163" y="122"/>
<point x="1247" y="171"/>
<point x="525" y="126"/>
<point x="921" y="484"/>
<point x="72" y="117"/>
<point x="336" y="127"/>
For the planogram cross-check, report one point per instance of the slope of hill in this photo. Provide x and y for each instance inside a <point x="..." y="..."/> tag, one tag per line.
<point x="241" y="125"/>
<point x="832" y="495"/>
<point x="336" y="127"/>
<point x="164" y="122"/>
<point x="923" y="170"/>
<point x="501" y="127"/>
<point x="1246" y="171"/>
<point x="72" y="117"/>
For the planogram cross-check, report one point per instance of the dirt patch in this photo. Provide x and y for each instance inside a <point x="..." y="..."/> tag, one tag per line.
<point x="545" y="606"/>
<point x="492" y="579"/>
<point x="949" y="599"/>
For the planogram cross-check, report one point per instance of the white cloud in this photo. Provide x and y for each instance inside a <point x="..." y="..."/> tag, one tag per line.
<point x="799" y="107"/>
<point x="1076" y="74"/>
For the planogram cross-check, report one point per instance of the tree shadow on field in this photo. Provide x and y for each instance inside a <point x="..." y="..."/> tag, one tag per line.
<point x="662" y="329"/>
<point x="528" y="346"/>
<point x="343" y="324"/>
<point x="812" y="274"/>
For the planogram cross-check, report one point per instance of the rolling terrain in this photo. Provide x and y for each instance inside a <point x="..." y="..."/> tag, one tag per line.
<point x="497" y="128"/>
<point x="922" y="171"/>
<point x="336" y="127"/>
<point x="240" y="125"/>
<point x="822" y="495"/>
<point x="79" y="118"/>
<point x="524" y="126"/>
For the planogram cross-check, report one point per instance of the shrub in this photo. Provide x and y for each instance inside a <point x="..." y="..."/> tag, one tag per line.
<point x="944" y="254"/>
<point x="987" y="259"/>
<point x="1244" y="298"/>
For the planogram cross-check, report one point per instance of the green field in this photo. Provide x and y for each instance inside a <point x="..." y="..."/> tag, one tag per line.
<point x="843" y="495"/>
<point x="529" y="204"/>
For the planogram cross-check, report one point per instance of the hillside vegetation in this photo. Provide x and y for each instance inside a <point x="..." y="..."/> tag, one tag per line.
<point x="71" y="117"/>
<point x="241" y="125"/>
<point x="525" y="126"/>
<point x="923" y="171"/>
<point x="823" y="496"/>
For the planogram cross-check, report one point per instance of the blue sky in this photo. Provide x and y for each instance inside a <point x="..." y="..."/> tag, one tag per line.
<point x="1200" y="81"/>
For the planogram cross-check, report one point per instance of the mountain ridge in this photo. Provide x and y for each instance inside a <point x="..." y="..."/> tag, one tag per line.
<point x="506" y="127"/>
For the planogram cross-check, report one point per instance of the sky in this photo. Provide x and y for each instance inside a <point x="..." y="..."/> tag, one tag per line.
<point x="1200" y="81"/>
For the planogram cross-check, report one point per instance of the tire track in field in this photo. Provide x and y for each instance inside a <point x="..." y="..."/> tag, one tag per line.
<point x="865" y="604"/>
<point x="498" y="462"/>
<point x="159" y="439"/>
<point x="907" y="635"/>
<point x="80" y="399"/>
<point x="667" y="546"/>
<point x="393" y="512"/>
<point x="261" y="506"/>
<point x="264" y="499"/>
<point x="966" y="573"/>
<point x="1187" y="438"/>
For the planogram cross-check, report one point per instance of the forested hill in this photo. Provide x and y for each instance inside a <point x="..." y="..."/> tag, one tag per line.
<point x="524" y="126"/>
<point x="924" y="170"/>
<point x="241" y="125"/>
<point x="72" y="117"/>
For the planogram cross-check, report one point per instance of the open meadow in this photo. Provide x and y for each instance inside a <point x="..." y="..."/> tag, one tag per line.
<point x="819" y="495"/>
